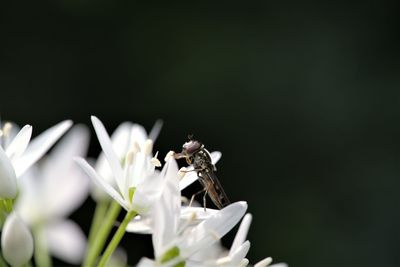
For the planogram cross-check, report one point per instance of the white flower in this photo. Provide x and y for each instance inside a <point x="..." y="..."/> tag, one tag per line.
<point x="136" y="183"/>
<point x="52" y="191"/>
<point x="127" y="136"/>
<point x="16" y="241"/>
<point x="192" y="215"/>
<point x="17" y="154"/>
<point x="174" y="243"/>
<point x="235" y="257"/>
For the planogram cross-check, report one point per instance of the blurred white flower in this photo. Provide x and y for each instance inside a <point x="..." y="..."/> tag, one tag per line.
<point x="136" y="183"/>
<point x="17" y="154"/>
<point x="16" y="241"/>
<point x="52" y="191"/>
<point x="174" y="243"/>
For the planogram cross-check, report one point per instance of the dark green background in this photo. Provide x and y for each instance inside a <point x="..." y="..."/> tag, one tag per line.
<point x="301" y="98"/>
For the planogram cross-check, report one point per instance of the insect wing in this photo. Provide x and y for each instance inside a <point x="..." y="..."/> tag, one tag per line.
<point x="215" y="190"/>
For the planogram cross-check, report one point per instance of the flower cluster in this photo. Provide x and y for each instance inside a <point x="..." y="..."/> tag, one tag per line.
<point x="35" y="203"/>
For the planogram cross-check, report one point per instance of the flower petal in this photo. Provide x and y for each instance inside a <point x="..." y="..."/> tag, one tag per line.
<point x="101" y="183"/>
<point x="155" y="131"/>
<point x="241" y="234"/>
<point x="19" y="143"/>
<point x="140" y="225"/>
<point x="61" y="178"/>
<point x="138" y="134"/>
<point x="39" y="146"/>
<point x="166" y="210"/>
<point x="275" y="265"/>
<point x="16" y="241"/>
<point x="215" y="156"/>
<point x="264" y="262"/>
<point x="145" y="262"/>
<point x="8" y="179"/>
<point x="66" y="241"/>
<point x="109" y="152"/>
<point x="212" y="229"/>
<point x="240" y="253"/>
<point x="189" y="178"/>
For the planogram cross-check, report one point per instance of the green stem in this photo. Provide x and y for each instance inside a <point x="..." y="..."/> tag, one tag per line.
<point x="99" y="215"/>
<point x="41" y="253"/>
<point x="116" y="238"/>
<point x="102" y="233"/>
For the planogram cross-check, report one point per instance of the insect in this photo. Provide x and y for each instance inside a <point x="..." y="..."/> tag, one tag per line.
<point x="195" y="153"/>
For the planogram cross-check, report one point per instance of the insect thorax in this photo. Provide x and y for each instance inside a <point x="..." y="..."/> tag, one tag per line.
<point x="202" y="161"/>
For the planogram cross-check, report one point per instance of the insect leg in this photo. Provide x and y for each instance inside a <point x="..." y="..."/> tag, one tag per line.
<point x="205" y="199"/>
<point x="195" y="194"/>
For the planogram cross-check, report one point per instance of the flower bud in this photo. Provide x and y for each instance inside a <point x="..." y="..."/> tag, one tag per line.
<point x="8" y="179"/>
<point x="16" y="241"/>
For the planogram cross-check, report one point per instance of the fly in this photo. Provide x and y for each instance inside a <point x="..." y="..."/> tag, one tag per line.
<point x="195" y="153"/>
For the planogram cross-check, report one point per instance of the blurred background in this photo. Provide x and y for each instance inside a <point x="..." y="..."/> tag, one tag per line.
<point x="301" y="98"/>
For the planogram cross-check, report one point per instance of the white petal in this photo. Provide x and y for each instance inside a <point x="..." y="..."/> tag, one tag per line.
<point x="30" y="202"/>
<point x="240" y="253"/>
<point x="39" y="146"/>
<point x="275" y="265"/>
<point x="8" y="179"/>
<point x="100" y="182"/>
<point x="120" y="139"/>
<point x="166" y="211"/>
<point x="189" y="178"/>
<point x="244" y="263"/>
<point x="210" y="253"/>
<point x="215" y="156"/>
<point x="19" y="143"/>
<point x="155" y="131"/>
<point x="212" y="229"/>
<point x="62" y="179"/>
<point x="138" y="134"/>
<point x="119" y="258"/>
<point x="109" y="152"/>
<point x="188" y="216"/>
<point x="75" y="143"/>
<point x="264" y="262"/>
<point x="145" y="262"/>
<point x="66" y="241"/>
<point x="140" y="225"/>
<point x="16" y="241"/>
<point x="196" y="214"/>
<point x="241" y="234"/>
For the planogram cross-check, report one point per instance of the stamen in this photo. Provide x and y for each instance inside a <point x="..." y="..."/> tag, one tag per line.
<point x="7" y="129"/>
<point x="148" y="147"/>
<point x="135" y="147"/>
<point x="169" y="154"/>
<point x="181" y="173"/>
<point x="155" y="162"/>
<point x="129" y="157"/>
<point x="193" y="217"/>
